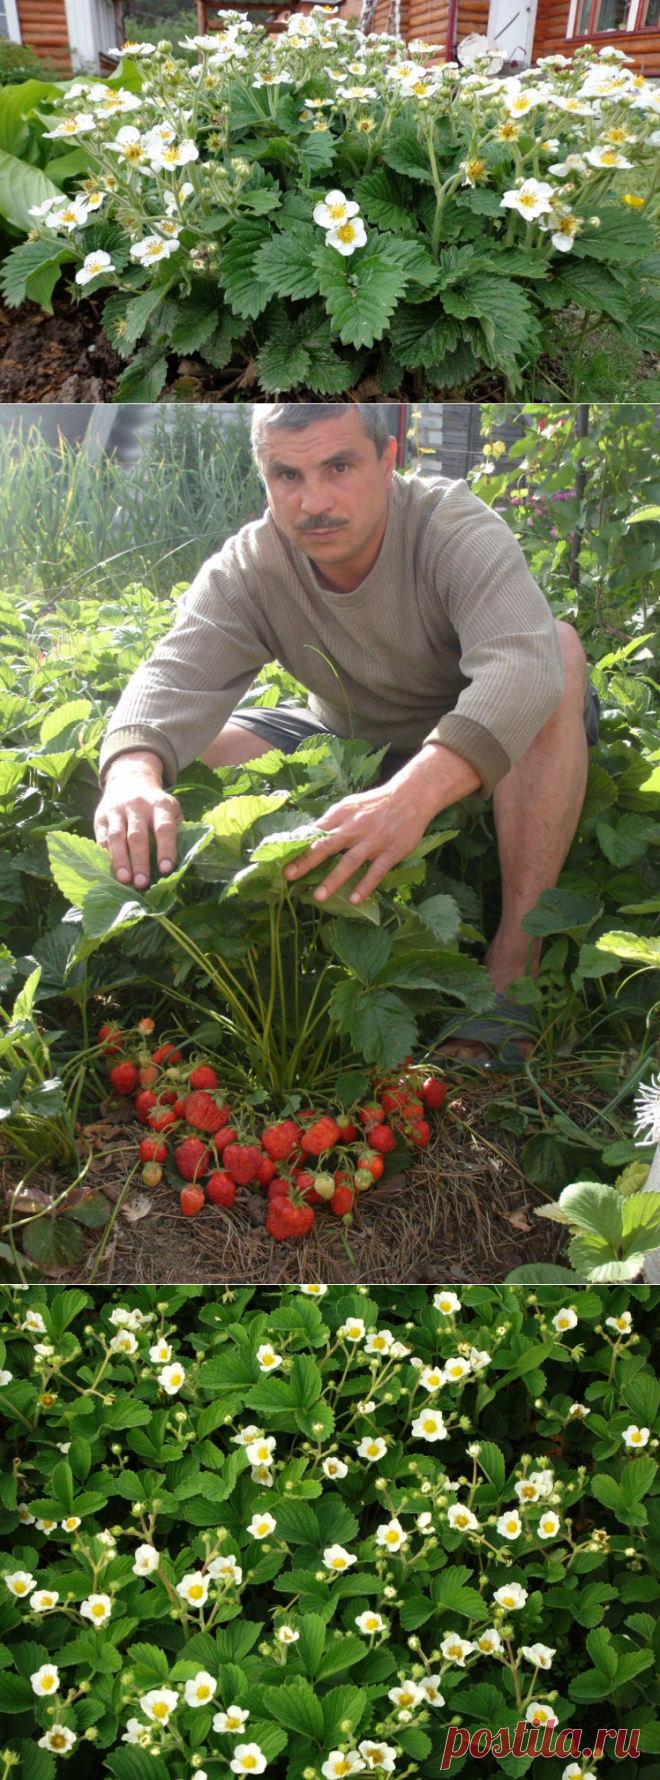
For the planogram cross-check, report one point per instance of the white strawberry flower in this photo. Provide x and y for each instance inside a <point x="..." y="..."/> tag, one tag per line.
<point x="69" y="1525"/>
<point x="455" y="1649"/>
<point x="285" y="1634"/>
<point x="159" y="1704"/>
<point x="526" y="1490"/>
<point x="76" y="125"/>
<point x="46" y="1526"/>
<point x="69" y="215"/>
<point x="42" y="210"/>
<point x="378" y="1755"/>
<point x="462" y="1518"/>
<point x="429" y="1426"/>
<point x="45" y="1680"/>
<point x="157" y="135"/>
<point x="398" y="1350"/>
<point x="635" y="1437"/>
<point x="429" y="1686"/>
<point x="231" y="1722"/>
<point x="406" y="1696"/>
<point x="245" y="1436"/>
<point x="161" y="1353"/>
<point x="123" y="1342"/>
<point x="114" y="103"/>
<point x="317" y="1291"/>
<point x="225" y="1568"/>
<point x="540" y="1655"/>
<point x="97" y="1608"/>
<point x="354" y="1329"/>
<point x="165" y="155"/>
<point x="456" y="1369"/>
<point x="510" y="1524"/>
<point x="34" y="1323"/>
<point x="606" y="157"/>
<point x="92" y="265"/>
<point x="511" y="1596"/>
<point x="132" y="49"/>
<point x="544" y="1482"/>
<point x="578" y="1412"/>
<point x="59" y="1740"/>
<point x="391" y="1535"/>
<point x="538" y="1713"/>
<point x="380" y="1340"/>
<point x="571" y="164"/>
<point x="335" y="210"/>
<point x="200" y="1690"/>
<point x="136" y="1732"/>
<point x="548" y="1526"/>
<point x="261" y="1474"/>
<point x="424" y="1521"/>
<point x="193" y="1588"/>
<point x="647" y="1098"/>
<point x="531" y="199"/>
<point x="172" y="1378"/>
<point x="479" y="1359"/>
<point x="267" y="1359"/>
<point x="622" y="1323"/>
<point x="372" y="1448"/>
<point x="489" y="1642"/>
<point x="564" y="1320"/>
<point x="261" y="1525"/>
<point x="44" y="1600"/>
<point x="335" y="1468"/>
<point x="277" y="78"/>
<point x="149" y="251"/>
<point x="248" y="1759"/>
<point x="19" y="1583"/>
<point x="24" y="1514"/>
<point x="432" y="1378"/>
<point x="340" y="1763"/>
<point x="370" y="1623"/>
<point x="337" y="1559"/>
<point x="146" y="1561"/>
<point x="260" y="1451"/>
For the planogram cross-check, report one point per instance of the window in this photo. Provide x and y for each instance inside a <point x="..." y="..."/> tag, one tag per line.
<point x="4" y="28"/>
<point x="596" y="18"/>
<point x="649" y="14"/>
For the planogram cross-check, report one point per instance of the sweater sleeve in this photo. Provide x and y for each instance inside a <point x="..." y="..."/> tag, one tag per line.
<point x="180" y="698"/>
<point x="509" y="647"/>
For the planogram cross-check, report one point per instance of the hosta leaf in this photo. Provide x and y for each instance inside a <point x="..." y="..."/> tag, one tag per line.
<point x="21" y="186"/>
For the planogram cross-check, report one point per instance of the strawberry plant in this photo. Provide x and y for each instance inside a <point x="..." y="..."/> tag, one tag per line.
<point x="300" y="1531"/>
<point x="330" y="201"/>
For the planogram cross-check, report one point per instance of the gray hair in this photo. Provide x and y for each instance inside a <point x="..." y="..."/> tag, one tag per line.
<point x="295" y="416"/>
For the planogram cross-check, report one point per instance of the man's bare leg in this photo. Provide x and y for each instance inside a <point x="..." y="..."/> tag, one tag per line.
<point x="537" y="809"/>
<point x="233" y="745"/>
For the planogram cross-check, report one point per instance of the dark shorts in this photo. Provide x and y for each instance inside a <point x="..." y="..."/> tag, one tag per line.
<point x="287" y="726"/>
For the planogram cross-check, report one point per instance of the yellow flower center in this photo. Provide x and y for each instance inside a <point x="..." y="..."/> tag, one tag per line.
<point x="528" y="200"/>
<point x="508" y="132"/>
<point x="47" y="1681"/>
<point x="57" y="1741"/>
<point x="160" y="1709"/>
<point x="196" y="1592"/>
<point x="20" y="1588"/>
<point x="406" y="1699"/>
<point x="372" y="1625"/>
<point x="249" y="1761"/>
<point x="609" y="157"/>
<point x="429" y="1426"/>
<point x="233" y="1723"/>
<point x="268" y="1360"/>
<point x="338" y="1563"/>
<point x="392" y="1538"/>
<point x="263" y="1526"/>
<point x="203" y="1693"/>
<point x="98" y="1611"/>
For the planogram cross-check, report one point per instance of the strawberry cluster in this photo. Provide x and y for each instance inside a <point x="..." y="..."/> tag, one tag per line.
<point x="301" y="1163"/>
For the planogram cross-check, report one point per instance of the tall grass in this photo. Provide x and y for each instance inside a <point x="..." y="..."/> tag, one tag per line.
<point x="73" y="528"/>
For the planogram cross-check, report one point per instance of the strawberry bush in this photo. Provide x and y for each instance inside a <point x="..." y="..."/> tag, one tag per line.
<point x="310" y="1534"/>
<point x="331" y="202"/>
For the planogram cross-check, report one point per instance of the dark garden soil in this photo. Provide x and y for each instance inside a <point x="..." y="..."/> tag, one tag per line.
<point x="464" y="1211"/>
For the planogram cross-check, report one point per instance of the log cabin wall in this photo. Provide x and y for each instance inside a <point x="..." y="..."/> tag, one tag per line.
<point x="550" y="38"/>
<point x="44" y="27"/>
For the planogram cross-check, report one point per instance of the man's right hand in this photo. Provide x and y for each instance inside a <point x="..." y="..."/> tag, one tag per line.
<point x="133" y="805"/>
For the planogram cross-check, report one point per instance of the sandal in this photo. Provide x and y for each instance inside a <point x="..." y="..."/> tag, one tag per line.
<point x="504" y="1029"/>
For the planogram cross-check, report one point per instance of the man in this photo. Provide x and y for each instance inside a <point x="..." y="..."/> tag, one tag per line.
<point x="406" y="608"/>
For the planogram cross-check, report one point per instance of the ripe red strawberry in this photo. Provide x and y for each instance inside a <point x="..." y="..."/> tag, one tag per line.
<point x="342" y="1201"/>
<point x="152" y="1174"/>
<point x="228" y="1134"/>
<point x="221" y="1189"/>
<point x="161" y="1118"/>
<point x="275" y="1224"/>
<point x="266" y="1171"/>
<point x="347" y="1130"/>
<point x="152" y="1151"/>
<point x="124" y="1078"/>
<point x="393" y="1099"/>
<point x="179" y="1109"/>
<point x="278" y="1188"/>
<point x="166" y="1054"/>
<point x="192" y="1158"/>
<point x="112" y="1039"/>
<point x="413" y="1109"/>
<point x="306" y="1185"/>
<point x="420" y="1132"/>
<point x="286" y="1219"/>
<point x="203" y="1076"/>
<point x="372" y="1164"/>
<point x="241" y="1161"/>
<point x="191" y="1200"/>
<point x="143" y="1103"/>
<point x="168" y="1097"/>
<point x="434" y="1093"/>
<point x="382" y="1138"/>
<point x="203" y="1114"/>
<point x="280" y="1140"/>
<point x="147" y="1075"/>
<point x="320" y="1136"/>
<point x="371" y="1115"/>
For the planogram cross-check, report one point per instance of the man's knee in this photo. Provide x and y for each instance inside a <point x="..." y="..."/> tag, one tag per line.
<point x="575" y="660"/>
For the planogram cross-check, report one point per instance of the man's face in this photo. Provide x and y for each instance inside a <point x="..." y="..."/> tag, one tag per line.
<point x="327" y="488"/>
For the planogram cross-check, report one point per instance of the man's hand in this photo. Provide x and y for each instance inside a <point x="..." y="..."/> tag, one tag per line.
<point x="385" y="824"/>
<point x="133" y="804"/>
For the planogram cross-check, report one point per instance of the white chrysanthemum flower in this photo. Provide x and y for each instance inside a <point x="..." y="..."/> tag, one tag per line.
<point x="622" y="1323"/>
<point x="370" y="1623"/>
<point x="543" y="1481"/>
<point x="511" y="1596"/>
<point x="548" y="1526"/>
<point x="489" y="1642"/>
<point x="221" y="1568"/>
<point x="455" y="1649"/>
<point x="406" y="1696"/>
<point x="200" y="1690"/>
<point x="193" y="1588"/>
<point x="447" y="1303"/>
<point x="247" y="1435"/>
<point x="76" y="125"/>
<point x="59" y="1740"/>
<point x="510" y="1524"/>
<point x="267" y="1359"/>
<point x="92" y="265"/>
<point x="538" y="1713"/>
<point x="34" y="1323"/>
<point x="635" y="1437"/>
<point x="564" y="1319"/>
<point x="19" y="1583"/>
<point x="260" y="1451"/>
<point x="337" y="1559"/>
<point x="380" y="1340"/>
<point x="261" y="1525"/>
<point x="97" y="1608"/>
<point x="456" y="1369"/>
<point x="372" y="1448"/>
<point x="313" y="1291"/>
<point x="45" y="1680"/>
<point x="149" y="252"/>
<point x="159" y="1704"/>
<point x="69" y="1525"/>
<point x="231" y="1722"/>
<point x="378" y="1755"/>
<point x="462" y="1519"/>
<point x="429" y="1686"/>
<point x="335" y="1468"/>
<point x="146" y="1561"/>
<point x="531" y="199"/>
<point x="248" y="1759"/>
<point x="540" y="1655"/>
<point x="432" y="1378"/>
<point x="161" y="1353"/>
<point x="285" y="1634"/>
<point x="429" y="1426"/>
<point x="44" y="1600"/>
<point x="136" y="1732"/>
<point x="172" y="1377"/>
<point x="391" y="1535"/>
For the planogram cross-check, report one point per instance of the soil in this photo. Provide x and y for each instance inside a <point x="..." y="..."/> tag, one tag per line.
<point x="463" y="1212"/>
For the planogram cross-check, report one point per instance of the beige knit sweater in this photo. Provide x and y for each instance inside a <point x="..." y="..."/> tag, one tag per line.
<point x="448" y="639"/>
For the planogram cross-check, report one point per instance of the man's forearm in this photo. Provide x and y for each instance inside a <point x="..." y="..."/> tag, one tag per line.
<point x="436" y="778"/>
<point x="137" y="761"/>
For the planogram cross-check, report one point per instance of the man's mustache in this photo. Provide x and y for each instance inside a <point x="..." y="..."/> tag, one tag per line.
<point x="321" y="523"/>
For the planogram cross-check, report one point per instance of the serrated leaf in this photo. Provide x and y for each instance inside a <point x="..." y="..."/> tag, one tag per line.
<point x="296" y="1706"/>
<point x="284" y="264"/>
<point x="32" y="269"/>
<point x="378" y="1022"/>
<point x="246" y="294"/>
<point x="363" y="949"/>
<point x="406" y="154"/>
<point x="143" y="379"/>
<point x="360" y="294"/>
<point x="422" y="333"/>
<point x="561" y="911"/>
<point x="386" y="201"/>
